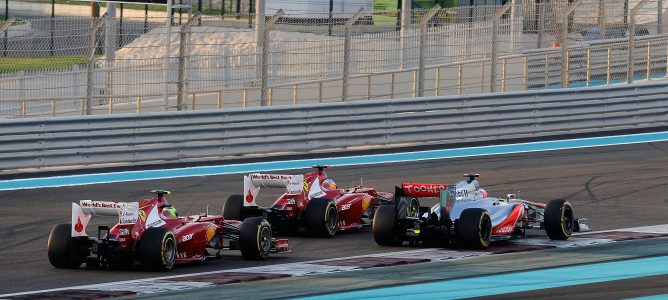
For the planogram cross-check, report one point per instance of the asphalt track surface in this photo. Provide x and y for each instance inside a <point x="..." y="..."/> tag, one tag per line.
<point x="615" y="187"/>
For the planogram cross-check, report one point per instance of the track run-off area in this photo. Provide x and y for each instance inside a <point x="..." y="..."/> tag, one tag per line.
<point x="620" y="184"/>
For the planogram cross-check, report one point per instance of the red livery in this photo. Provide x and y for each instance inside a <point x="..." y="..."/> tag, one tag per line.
<point x="311" y="201"/>
<point x="150" y="233"/>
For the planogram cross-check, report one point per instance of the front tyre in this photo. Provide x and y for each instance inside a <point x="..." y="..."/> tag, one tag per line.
<point x="384" y="227"/>
<point x="255" y="238"/>
<point x="157" y="249"/>
<point x="321" y="217"/>
<point x="559" y="221"/>
<point x="64" y="251"/>
<point x="474" y="228"/>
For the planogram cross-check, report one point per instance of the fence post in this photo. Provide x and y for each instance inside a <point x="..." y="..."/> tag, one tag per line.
<point x="184" y="56"/>
<point x="166" y="64"/>
<point x="632" y="40"/>
<point x="659" y="17"/>
<point x="564" y="39"/>
<point x="259" y="37"/>
<point x="346" y="53"/>
<point x="406" y="16"/>
<point x="3" y="29"/>
<point x="264" y="57"/>
<point x="495" y="43"/>
<point x="540" y="23"/>
<point x="97" y="25"/>
<point x="109" y="45"/>
<point x="515" y="25"/>
<point x="423" y="38"/>
<point x="601" y="19"/>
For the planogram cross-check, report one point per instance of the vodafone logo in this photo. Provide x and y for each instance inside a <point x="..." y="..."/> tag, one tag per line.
<point x="505" y="229"/>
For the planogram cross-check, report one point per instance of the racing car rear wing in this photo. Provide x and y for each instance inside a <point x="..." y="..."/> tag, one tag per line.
<point x="294" y="185"/>
<point x="127" y="213"/>
<point x="422" y="190"/>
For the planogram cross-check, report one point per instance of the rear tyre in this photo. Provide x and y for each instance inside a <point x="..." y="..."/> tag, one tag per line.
<point x="233" y="209"/>
<point x="321" y="217"/>
<point x="474" y="228"/>
<point x="157" y="249"/>
<point x="559" y="221"/>
<point x="255" y="238"/>
<point x="413" y="210"/>
<point x="384" y="227"/>
<point x="64" y="251"/>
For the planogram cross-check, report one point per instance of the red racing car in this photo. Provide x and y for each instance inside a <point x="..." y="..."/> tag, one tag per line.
<point x="150" y="233"/>
<point x="467" y="216"/>
<point x="311" y="201"/>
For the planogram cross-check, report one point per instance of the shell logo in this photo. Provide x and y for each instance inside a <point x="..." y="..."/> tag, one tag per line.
<point x="210" y="233"/>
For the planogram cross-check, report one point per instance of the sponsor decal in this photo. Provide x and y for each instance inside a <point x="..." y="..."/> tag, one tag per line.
<point x="295" y="186"/>
<point x="282" y="245"/>
<point x="128" y="213"/>
<point x="315" y="191"/>
<point x="78" y="227"/>
<point x="422" y="189"/>
<point x="100" y="204"/>
<point x="250" y="192"/>
<point x="79" y="221"/>
<point x="153" y="220"/>
<point x="505" y="229"/>
<point x="210" y="233"/>
<point x="187" y="237"/>
<point x="346" y="206"/>
<point x="142" y="215"/>
<point x="291" y="201"/>
<point x="271" y="177"/>
<point x="462" y="193"/>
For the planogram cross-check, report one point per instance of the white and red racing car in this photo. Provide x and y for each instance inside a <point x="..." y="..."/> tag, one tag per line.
<point x="467" y="216"/>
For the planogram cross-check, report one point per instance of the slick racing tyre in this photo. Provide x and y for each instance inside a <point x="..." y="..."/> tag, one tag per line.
<point x="474" y="228"/>
<point x="413" y="209"/>
<point x="559" y="221"/>
<point x="233" y="209"/>
<point x="384" y="228"/>
<point x="255" y="238"/>
<point x="157" y="249"/>
<point x="64" y="251"/>
<point x="321" y="217"/>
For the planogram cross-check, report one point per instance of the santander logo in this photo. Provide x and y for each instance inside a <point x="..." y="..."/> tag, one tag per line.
<point x="78" y="227"/>
<point x="249" y="197"/>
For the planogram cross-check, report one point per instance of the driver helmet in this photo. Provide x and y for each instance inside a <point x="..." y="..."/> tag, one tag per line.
<point x="483" y="193"/>
<point x="169" y="212"/>
<point x="328" y="184"/>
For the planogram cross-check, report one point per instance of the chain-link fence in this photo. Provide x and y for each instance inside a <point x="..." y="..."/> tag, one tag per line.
<point x="60" y="66"/>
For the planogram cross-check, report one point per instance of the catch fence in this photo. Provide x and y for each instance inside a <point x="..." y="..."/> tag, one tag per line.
<point x="68" y="66"/>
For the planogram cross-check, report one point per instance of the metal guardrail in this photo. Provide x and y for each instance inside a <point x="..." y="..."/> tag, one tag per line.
<point x="205" y="135"/>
